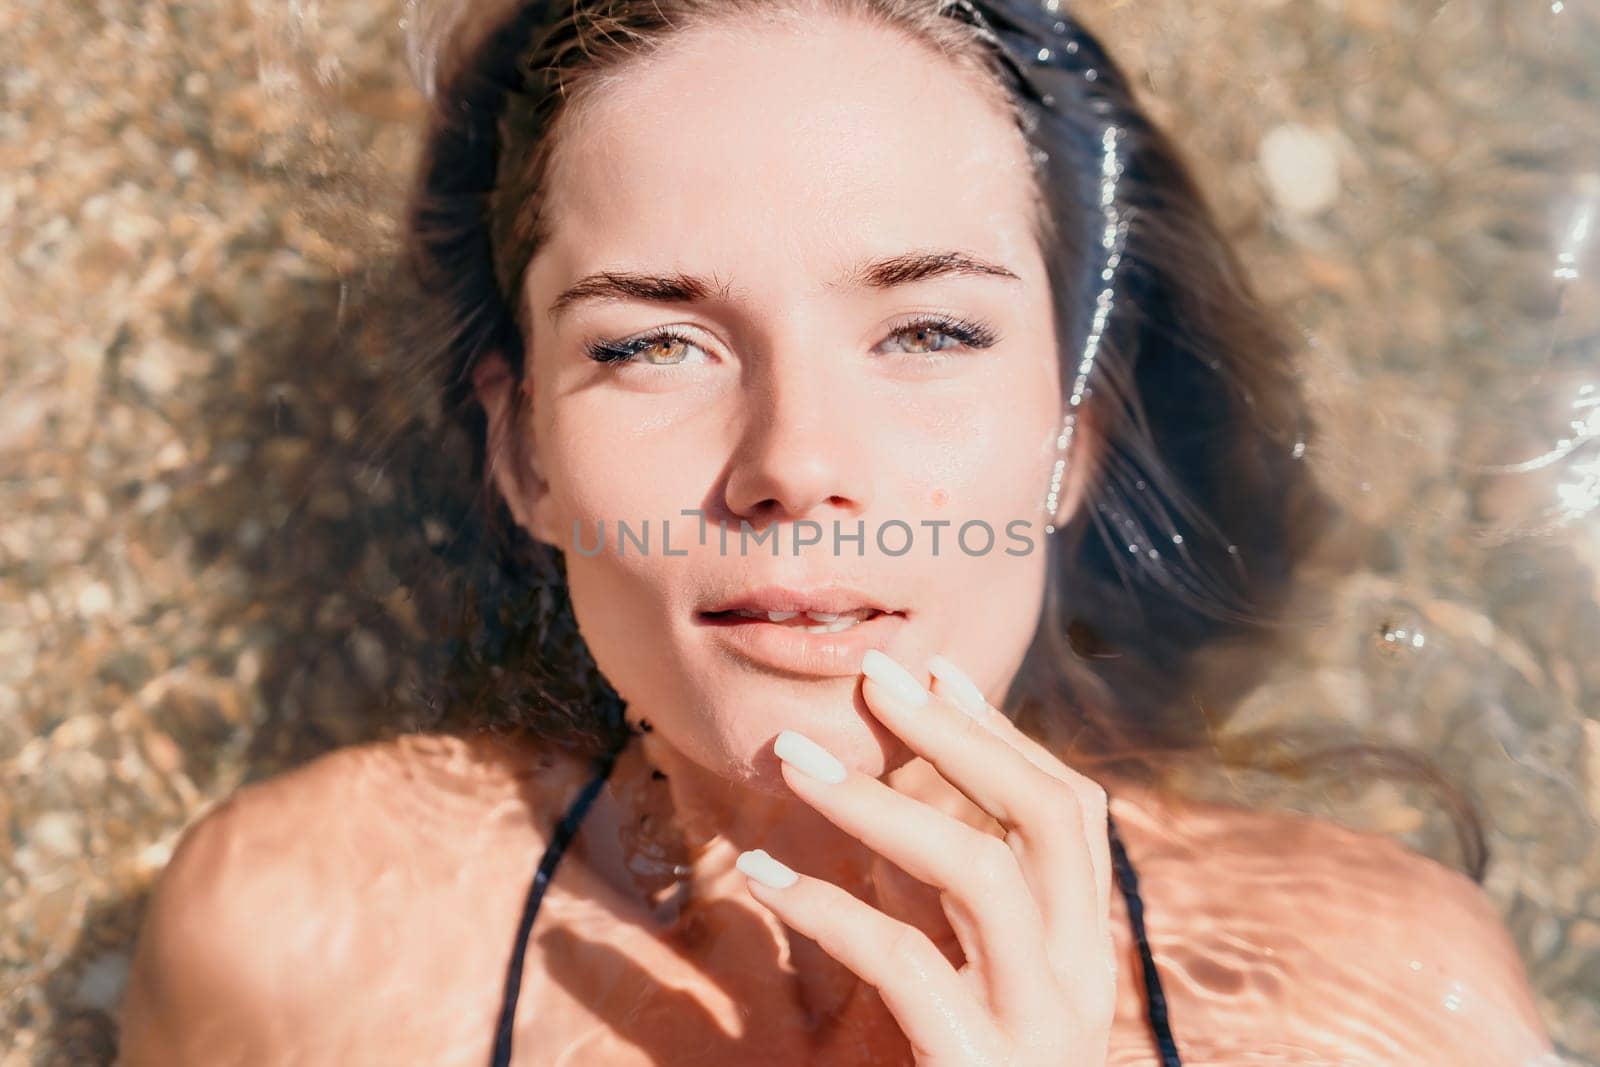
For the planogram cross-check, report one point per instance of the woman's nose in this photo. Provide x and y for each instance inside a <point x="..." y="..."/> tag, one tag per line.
<point x="803" y="453"/>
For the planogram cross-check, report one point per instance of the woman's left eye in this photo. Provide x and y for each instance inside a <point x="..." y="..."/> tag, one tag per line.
<point x="926" y="331"/>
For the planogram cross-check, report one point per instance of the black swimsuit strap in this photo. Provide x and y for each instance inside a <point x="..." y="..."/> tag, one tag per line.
<point x="1127" y="881"/>
<point x="565" y="829"/>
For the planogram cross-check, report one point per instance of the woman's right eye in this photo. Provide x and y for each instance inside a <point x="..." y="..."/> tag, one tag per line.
<point x="659" y="348"/>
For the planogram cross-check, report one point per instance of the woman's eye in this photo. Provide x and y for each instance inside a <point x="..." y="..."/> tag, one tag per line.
<point x="930" y="336"/>
<point x="661" y="348"/>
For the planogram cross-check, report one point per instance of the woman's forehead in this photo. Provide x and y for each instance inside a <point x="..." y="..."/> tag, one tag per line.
<point x="828" y="146"/>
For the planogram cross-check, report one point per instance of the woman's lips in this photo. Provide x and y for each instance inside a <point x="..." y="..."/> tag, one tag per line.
<point x="784" y="646"/>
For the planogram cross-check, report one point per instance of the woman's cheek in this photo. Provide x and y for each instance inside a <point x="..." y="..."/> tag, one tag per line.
<point x="993" y="554"/>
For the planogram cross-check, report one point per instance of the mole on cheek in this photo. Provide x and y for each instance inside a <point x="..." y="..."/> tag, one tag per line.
<point x="940" y="498"/>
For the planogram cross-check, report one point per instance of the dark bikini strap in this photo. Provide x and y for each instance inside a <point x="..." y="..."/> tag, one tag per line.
<point x="1128" y="882"/>
<point x="564" y="831"/>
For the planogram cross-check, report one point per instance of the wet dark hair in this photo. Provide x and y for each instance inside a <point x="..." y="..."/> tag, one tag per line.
<point x="1201" y="509"/>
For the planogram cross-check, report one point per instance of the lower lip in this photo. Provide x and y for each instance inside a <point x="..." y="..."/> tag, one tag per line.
<point x="794" y="651"/>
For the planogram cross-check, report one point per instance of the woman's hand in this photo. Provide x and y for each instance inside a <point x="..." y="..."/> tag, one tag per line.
<point x="1029" y="908"/>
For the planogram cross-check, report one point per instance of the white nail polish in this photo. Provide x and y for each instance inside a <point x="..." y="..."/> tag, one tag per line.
<point x="805" y="755"/>
<point x="895" y="678"/>
<point x="766" y="870"/>
<point x="964" y="692"/>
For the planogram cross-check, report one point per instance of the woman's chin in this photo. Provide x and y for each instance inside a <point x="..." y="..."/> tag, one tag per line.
<point x="733" y="730"/>
<point x="861" y="743"/>
<point x="743" y="749"/>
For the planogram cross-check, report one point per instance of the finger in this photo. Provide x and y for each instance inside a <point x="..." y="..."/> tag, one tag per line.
<point x="919" y="987"/>
<point x="955" y="685"/>
<point x="990" y="906"/>
<point x="1041" y="813"/>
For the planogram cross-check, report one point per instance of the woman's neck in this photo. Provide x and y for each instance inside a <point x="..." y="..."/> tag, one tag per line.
<point x="713" y="819"/>
<point x="704" y="821"/>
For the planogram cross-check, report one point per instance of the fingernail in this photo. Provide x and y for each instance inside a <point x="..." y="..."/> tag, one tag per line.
<point x="766" y="870"/>
<point x="895" y="678"/>
<point x="804" y="754"/>
<point x="964" y="693"/>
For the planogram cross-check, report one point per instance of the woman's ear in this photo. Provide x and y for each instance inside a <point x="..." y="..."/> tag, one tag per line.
<point x="509" y="456"/>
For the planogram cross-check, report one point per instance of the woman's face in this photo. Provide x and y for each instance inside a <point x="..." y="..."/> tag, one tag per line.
<point x="776" y="168"/>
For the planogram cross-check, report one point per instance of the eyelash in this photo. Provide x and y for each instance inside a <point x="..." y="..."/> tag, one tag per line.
<point x="971" y="335"/>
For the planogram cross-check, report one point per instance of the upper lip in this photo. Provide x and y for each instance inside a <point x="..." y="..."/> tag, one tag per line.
<point x="833" y="599"/>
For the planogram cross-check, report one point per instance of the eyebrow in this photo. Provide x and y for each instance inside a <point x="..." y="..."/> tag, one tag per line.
<point x="680" y="288"/>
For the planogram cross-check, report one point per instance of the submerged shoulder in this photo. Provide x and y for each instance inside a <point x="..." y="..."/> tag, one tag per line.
<point x="1342" y="936"/>
<point x="1438" y="944"/>
<point x="363" y="805"/>
<point x="209" y="977"/>
<point x="1410" y="934"/>
<point x="1444" y="945"/>
<point x="291" y="885"/>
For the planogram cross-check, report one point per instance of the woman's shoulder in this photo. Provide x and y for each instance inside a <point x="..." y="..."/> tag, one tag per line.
<point x="320" y="881"/>
<point x="1352" y="928"/>
<point x="401" y="798"/>
<point x="1305" y="850"/>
